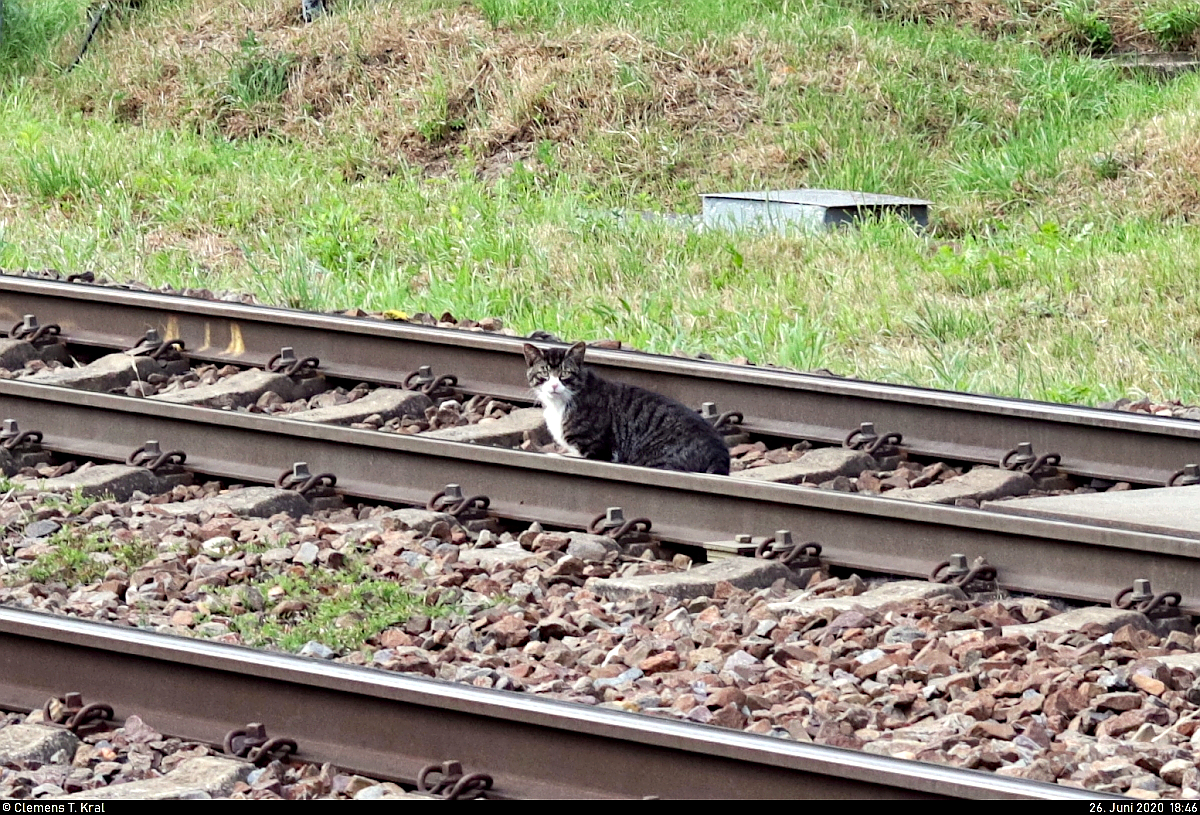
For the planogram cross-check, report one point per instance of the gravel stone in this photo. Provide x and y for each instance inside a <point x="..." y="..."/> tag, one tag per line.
<point x="21" y="743"/>
<point x="205" y="777"/>
<point x="42" y="529"/>
<point x="312" y="648"/>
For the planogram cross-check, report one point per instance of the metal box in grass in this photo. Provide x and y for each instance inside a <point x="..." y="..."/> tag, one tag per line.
<point x="809" y="210"/>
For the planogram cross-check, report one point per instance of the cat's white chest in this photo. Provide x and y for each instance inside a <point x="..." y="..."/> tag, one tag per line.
<point x="554" y="411"/>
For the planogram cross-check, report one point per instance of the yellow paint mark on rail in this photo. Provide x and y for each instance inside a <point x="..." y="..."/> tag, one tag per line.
<point x="207" y="338"/>
<point x="236" y="346"/>
<point x="172" y="332"/>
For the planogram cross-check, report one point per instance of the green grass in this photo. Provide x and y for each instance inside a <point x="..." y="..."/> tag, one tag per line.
<point x="72" y="504"/>
<point x="1087" y="29"/>
<point x="33" y="30"/>
<point x="441" y="156"/>
<point x="1173" y="22"/>
<point x="343" y="610"/>
<point x="256" y="75"/>
<point x="81" y="557"/>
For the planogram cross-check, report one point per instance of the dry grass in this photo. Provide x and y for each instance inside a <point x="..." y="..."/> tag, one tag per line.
<point x="428" y="88"/>
<point x="1151" y="170"/>
<point x="1055" y="23"/>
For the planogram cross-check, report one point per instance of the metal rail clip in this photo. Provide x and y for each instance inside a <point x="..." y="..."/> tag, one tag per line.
<point x="299" y="479"/>
<point x="12" y="437"/>
<point x="423" y="380"/>
<point x="151" y="345"/>
<point x="151" y="456"/>
<point x="452" y="502"/>
<point x="726" y="423"/>
<point x="613" y="524"/>
<point x="1187" y="477"/>
<point x="1022" y="458"/>
<point x="796" y="555"/>
<point x="1139" y="597"/>
<point x="252" y="744"/>
<point x="286" y="362"/>
<point x="452" y="785"/>
<point x="34" y="334"/>
<point x="865" y="438"/>
<point x="70" y="712"/>
<point x="955" y="571"/>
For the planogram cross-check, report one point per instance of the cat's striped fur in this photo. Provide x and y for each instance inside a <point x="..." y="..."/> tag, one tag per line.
<point x="612" y="421"/>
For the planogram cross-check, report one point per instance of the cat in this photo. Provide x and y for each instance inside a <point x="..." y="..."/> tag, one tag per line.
<point x="611" y="421"/>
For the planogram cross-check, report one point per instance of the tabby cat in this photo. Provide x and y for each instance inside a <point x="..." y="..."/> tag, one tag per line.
<point x="612" y="421"/>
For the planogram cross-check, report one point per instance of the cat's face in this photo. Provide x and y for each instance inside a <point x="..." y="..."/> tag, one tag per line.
<point x="555" y="374"/>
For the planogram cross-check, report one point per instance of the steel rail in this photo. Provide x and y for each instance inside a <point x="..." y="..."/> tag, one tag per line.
<point x="941" y="424"/>
<point x="868" y="533"/>
<point x="388" y="725"/>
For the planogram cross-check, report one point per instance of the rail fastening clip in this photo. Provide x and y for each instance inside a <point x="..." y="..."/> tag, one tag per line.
<point x="452" y="502"/>
<point x="796" y="555"/>
<point x="70" y="712"/>
<point x="613" y="524"/>
<point x="450" y="782"/>
<point x="867" y="439"/>
<point x="1140" y="597"/>
<point x="34" y="334"/>
<point x="252" y="744"/>
<point x="1022" y="458"/>
<point x="955" y="572"/>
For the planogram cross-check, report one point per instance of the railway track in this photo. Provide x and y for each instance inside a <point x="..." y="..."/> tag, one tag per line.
<point x="1080" y="560"/>
<point x="389" y="726"/>
<point x="699" y="514"/>
<point x="937" y="424"/>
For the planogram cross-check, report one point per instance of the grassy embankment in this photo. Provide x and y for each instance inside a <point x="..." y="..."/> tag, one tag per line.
<point x="466" y="156"/>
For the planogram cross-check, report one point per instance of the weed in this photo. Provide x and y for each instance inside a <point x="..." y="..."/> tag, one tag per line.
<point x="1107" y="166"/>
<point x="341" y="610"/>
<point x="339" y="238"/>
<point x="1173" y="22"/>
<point x="1086" y="28"/>
<point x="803" y="344"/>
<point x="51" y="173"/>
<point x="938" y="322"/>
<point x="257" y="76"/>
<point x="983" y="269"/>
<point x="82" y="556"/>
<point x="73" y="504"/>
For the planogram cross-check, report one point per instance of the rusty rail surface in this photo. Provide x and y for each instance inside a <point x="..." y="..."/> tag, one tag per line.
<point x="866" y="533"/>
<point x="941" y="424"/>
<point x="388" y="725"/>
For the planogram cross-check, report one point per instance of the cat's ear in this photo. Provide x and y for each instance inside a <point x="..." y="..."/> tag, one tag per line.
<point x="575" y="353"/>
<point x="532" y="355"/>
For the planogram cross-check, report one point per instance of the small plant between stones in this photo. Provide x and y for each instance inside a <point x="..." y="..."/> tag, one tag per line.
<point x="340" y="610"/>
<point x="83" y="556"/>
